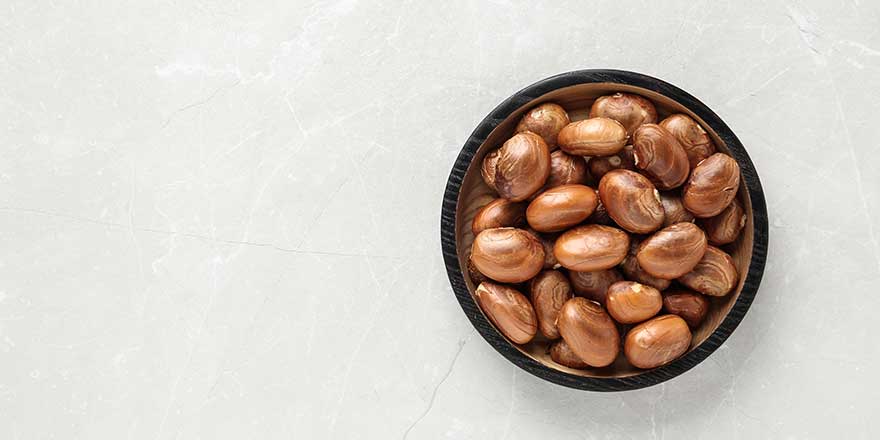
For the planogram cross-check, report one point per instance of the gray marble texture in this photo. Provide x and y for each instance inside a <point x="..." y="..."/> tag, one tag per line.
<point x="221" y="219"/>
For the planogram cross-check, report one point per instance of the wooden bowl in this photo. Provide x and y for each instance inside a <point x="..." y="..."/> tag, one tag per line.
<point x="576" y="91"/>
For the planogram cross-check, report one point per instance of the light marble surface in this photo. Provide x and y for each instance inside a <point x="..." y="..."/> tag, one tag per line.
<point x="221" y="219"/>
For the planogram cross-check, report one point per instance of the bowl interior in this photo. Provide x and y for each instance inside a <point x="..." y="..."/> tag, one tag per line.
<point x="577" y="100"/>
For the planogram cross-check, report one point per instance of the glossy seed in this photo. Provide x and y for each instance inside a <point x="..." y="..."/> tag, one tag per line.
<point x="509" y="310"/>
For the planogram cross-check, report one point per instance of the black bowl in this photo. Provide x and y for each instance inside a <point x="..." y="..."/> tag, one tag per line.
<point x="575" y="91"/>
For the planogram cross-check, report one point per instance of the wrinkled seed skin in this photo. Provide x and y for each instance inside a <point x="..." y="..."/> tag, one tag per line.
<point x="631" y="201"/>
<point x="522" y="166"/>
<point x="714" y="275"/>
<point x="589" y="331"/>
<point x="624" y="160"/>
<point x="561" y="353"/>
<point x="660" y="155"/>
<point x="657" y="342"/>
<point x="628" y="109"/>
<point x="632" y="270"/>
<point x="725" y="227"/>
<point x="566" y="169"/>
<point x="672" y="251"/>
<point x="509" y="310"/>
<point x="591" y="247"/>
<point x="593" y="137"/>
<point x="593" y="285"/>
<point x="508" y="255"/>
<point x="629" y="302"/>
<point x="499" y="213"/>
<point x="545" y="120"/>
<point x="550" y="290"/>
<point x="487" y="170"/>
<point x="690" y="306"/>
<point x="712" y="186"/>
<point x="674" y="209"/>
<point x="691" y="136"/>
<point x="561" y="207"/>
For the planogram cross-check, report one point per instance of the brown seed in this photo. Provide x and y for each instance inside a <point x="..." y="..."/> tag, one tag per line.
<point x="691" y="136"/>
<point x="550" y="290"/>
<point x="712" y="186"/>
<point x="628" y="109"/>
<point x="624" y="160"/>
<point x="630" y="302"/>
<point x="690" y="306"/>
<point x="591" y="247"/>
<point x="634" y="272"/>
<point x="561" y="207"/>
<point x="601" y="165"/>
<point x="589" y="331"/>
<point x="724" y="228"/>
<point x="545" y="120"/>
<point x="476" y="276"/>
<point x="499" y="213"/>
<point x="714" y="275"/>
<point x="660" y="155"/>
<point x="566" y="169"/>
<point x="561" y="353"/>
<point x="593" y="285"/>
<point x="674" y="209"/>
<point x="600" y="215"/>
<point x="548" y="242"/>
<point x="657" y="342"/>
<point x="487" y="170"/>
<point x="520" y="168"/>
<point x="631" y="200"/>
<point x="508" y="255"/>
<point x="509" y="310"/>
<point x="628" y="157"/>
<point x="592" y="137"/>
<point x="672" y="251"/>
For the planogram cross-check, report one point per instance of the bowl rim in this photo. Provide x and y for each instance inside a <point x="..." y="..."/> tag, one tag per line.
<point x="488" y="331"/>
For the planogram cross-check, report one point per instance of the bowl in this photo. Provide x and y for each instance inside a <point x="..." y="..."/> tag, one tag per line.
<point x="576" y="91"/>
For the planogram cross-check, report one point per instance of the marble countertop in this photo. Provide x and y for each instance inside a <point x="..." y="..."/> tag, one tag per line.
<point x="222" y="220"/>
